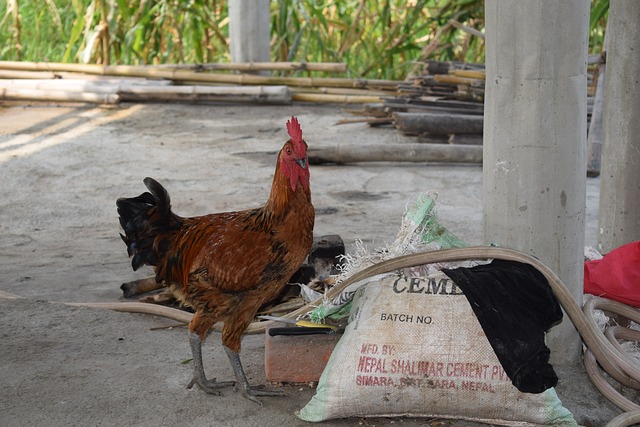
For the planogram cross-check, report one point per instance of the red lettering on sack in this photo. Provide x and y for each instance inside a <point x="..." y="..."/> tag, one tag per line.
<point x="477" y="386"/>
<point x="372" y="364"/>
<point x="467" y="370"/>
<point x="417" y="368"/>
<point x="427" y="383"/>
<point x="369" y="349"/>
<point x="373" y="381"/>
<point x="497" y="373"/>
<point x="388" y="349"/>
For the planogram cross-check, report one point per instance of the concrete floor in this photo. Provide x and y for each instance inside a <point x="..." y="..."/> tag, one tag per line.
<point x="63" y="167"/>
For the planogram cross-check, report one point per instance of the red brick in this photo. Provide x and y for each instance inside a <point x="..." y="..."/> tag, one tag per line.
<point x="297" y="358"/>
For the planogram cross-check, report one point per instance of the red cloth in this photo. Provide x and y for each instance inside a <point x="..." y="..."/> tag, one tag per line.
<point x="616" y="276"/>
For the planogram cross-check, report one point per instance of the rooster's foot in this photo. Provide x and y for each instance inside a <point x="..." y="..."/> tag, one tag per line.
<point x="252" y="393"/>
<point x="210" y="386"/>
<point x="242" y="384"/>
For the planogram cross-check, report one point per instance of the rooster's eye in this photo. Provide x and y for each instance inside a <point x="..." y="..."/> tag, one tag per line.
<point x="289" y="151"/>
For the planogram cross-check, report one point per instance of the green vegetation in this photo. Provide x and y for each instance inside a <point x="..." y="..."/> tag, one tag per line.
<point x="377" y="39"/>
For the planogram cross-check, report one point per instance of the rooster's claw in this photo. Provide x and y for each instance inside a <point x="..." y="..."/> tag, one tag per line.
<point x="210" y="386"/>
<point x="253" y="393"/>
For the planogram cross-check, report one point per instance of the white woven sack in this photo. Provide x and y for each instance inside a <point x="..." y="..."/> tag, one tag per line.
<point x="413" y="347"/>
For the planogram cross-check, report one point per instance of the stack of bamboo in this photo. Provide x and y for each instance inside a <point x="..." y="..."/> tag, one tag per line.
<point x="194" y="83"/>
<point x="456" y="80"/>
<point x="443" y="105"/>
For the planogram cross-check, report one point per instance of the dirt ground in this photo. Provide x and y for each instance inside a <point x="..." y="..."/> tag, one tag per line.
<point x="63" y="167"/>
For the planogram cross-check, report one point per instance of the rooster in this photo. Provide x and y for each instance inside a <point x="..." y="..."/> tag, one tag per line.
<point x="226" y="265"/>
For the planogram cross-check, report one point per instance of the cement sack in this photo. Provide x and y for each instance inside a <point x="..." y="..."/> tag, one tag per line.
<point x="420" y="231"/>
<point x="413" y="347"/>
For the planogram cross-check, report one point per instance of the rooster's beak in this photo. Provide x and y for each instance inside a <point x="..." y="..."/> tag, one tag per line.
<point x="302" y="163"/>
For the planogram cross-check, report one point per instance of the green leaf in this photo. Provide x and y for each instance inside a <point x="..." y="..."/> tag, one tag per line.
<point x="599" y="8"/>
<point x="76" y="32"/>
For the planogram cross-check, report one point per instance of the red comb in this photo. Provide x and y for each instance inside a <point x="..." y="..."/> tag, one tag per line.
<point x="293" y="127"/>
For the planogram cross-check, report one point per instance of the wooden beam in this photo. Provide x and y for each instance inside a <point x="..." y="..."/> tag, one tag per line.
<point x="414" y="153"/>
<point x="438" y="124"/>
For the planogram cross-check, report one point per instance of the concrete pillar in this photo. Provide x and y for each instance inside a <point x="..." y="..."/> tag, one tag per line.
<point x="249" y="30"/>
<point x="619" y="220"/>
<point x="534" y="168"/>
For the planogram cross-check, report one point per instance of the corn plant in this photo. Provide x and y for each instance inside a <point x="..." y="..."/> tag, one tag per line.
<point x="380" y="39"/>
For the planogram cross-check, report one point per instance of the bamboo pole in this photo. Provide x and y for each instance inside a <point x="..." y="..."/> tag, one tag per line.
<point x="459" y="139"/>
<point x="138" y="93"/>
<point x="261" y="66"/>
<point x="69" y="85"/>
<point x="309" y="93"/>
<point x="97" y="79"/>
<point x="468" y="139"/>
<point x="58" y="96"/>
<point x="341" y="91"/>
<point x="433" y="107"/>
<point x="239" y="79"/>
<point x="257" y="94"/>
<point x="416" y="153"/>
<point x="379" y="121"/>
<point x="315" y="90"/>
<point x="439" y="123"/>
<point x="335" y="99"/>
<point x="471" y="74"/>
<point x="10" y="74"/>
<point x="445" y="78"/>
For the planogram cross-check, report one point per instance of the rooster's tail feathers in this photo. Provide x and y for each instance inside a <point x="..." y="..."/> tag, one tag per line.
<point x="148" y="224"/>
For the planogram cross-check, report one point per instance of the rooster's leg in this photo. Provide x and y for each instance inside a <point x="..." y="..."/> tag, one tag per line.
<point x="242" y="382"/>
<point x="210" y="386"/>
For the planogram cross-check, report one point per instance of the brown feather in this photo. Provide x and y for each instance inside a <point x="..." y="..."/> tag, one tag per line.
<point x="226" y="265"/>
